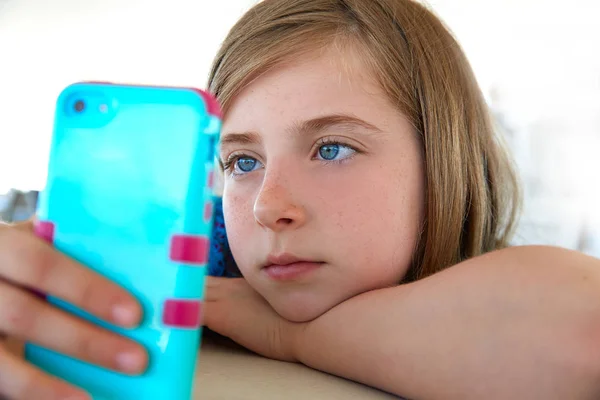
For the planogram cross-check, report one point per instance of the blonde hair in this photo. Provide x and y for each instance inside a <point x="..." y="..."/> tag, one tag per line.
<point x="472" y="195"/>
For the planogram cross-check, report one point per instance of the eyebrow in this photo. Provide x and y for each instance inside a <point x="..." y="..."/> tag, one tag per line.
<point x="314" y="125"/>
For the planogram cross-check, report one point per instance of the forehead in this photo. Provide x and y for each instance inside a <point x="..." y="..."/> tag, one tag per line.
<point x="319" y="83"/>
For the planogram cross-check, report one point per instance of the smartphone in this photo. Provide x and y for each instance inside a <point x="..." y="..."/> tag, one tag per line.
<point x="129" y="195"/>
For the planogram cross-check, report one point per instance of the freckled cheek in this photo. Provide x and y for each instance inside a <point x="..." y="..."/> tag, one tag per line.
<point x="239" y="218"/>
<point x="363" y="214"/>
<point x="371" y="223"/>
<point x="370" y="243"/>
<point x="377" y="242"/>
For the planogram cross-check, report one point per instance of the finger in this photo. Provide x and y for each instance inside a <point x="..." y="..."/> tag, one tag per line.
<point x="216" y="288"/>
<point x="221" y="309"/>
<point x="212" y="286"/>
<point x="21" y="381"/>
<point x="25" y="226"/>
<point x="25" y="316"/>
<point x="30" y="262"/>
<point x="213" y="316"/>
<point x="212" y="281"/>
<point x="213" y="293"/>
<point x="13" y="345"/>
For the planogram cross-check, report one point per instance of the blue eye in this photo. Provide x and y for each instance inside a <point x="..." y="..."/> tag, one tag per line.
<point x="246" y="164"/>
<point x="335" y="152"/>
<point x="329" y="151"/>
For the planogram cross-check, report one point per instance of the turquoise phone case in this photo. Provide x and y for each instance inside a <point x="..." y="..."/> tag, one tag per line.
<point x="129" y="195"/>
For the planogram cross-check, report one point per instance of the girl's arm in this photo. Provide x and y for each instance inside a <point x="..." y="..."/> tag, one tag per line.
<point x="518" y="323"/>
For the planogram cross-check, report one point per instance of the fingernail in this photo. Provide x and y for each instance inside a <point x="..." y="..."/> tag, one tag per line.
<point x="130" y="361"/>
<point x="124" y="314"/>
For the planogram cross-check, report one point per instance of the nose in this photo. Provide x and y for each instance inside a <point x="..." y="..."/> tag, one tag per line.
<point x="276" y="208"/>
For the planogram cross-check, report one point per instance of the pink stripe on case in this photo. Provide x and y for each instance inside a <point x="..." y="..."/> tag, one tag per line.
<point x="182" y="313"/>
<point x="189" y="249"/>
<point x="210" y="180"/>
<point x="44" y="230"/>
<point x="208" y="211"/>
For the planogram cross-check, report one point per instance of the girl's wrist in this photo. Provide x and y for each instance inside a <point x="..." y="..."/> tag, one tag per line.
<point x="297" y="340"/>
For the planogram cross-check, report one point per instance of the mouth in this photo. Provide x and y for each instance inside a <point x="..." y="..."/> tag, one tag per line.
<point x="287" y="267"/>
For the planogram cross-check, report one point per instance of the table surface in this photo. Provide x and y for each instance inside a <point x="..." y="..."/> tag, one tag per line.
<point x="226" y="371"/>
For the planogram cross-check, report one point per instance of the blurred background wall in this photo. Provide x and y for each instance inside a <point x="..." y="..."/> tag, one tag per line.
<point x="538" y="62"/>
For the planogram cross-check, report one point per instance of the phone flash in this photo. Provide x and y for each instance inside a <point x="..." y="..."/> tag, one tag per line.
<point x="103" y="108"/>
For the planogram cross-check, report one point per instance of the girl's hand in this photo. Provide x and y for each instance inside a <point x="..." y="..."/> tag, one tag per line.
<point x="28" y="263"/>
<point x="235" y="310"/>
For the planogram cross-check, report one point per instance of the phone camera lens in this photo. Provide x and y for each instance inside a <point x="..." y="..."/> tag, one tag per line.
<point x="79" y="106"/>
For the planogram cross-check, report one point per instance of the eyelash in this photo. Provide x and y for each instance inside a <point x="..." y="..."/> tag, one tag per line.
<point x="231" y="160"/>
<point x="234" y="157"/>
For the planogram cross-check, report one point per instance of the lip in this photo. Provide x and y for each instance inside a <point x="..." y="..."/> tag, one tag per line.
<point x="287" y="267"/>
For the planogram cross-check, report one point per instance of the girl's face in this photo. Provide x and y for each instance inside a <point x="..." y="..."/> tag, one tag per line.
<point x="323" y="187"/>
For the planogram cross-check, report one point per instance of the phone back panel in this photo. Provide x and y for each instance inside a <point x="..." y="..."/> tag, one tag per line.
<point x="129" y="195"/>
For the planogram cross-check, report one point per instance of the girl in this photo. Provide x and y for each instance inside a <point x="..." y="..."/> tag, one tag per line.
<point x="359" y="164"/>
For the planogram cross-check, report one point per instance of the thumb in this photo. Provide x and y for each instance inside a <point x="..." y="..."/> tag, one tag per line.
<point x="25" y="226"/>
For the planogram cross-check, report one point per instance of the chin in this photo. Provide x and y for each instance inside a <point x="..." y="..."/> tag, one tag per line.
<point x="300" y="310"/>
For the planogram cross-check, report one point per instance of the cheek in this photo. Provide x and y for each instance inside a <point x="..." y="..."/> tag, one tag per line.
<point x="372" y="202"/>
<point x="237" y="212"/>
<point x="375" y="223"/>
<point x="375" y="226"/>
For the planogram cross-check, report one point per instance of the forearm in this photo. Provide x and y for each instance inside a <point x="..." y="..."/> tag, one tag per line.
<point x="520" y="323"/>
